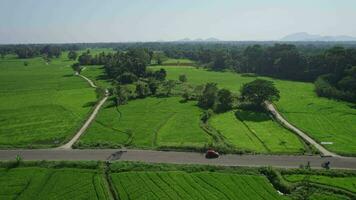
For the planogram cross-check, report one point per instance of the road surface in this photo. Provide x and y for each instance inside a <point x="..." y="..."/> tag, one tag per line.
<point x="310" y="140"/>
<point x="281" y="161"/>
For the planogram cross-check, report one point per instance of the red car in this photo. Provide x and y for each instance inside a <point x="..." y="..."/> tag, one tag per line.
<point x="211" y="154"/>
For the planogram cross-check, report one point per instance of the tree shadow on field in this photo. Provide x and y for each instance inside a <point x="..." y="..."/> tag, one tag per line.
<point x="247" y="115"/>
<point x="89" y="104"/>
<point x="68" y="75"/>
<point x="353" y="106"/>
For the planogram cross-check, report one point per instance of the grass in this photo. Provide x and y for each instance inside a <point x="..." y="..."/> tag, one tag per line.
<point x="173" y="61"/>
<point x="41" y="104"/>
<point x="97" y="75"/>
<point x="147" y="123"/>
<point x="347" y="183"/>
<point x="323" y="119"/>
<point x="43" y="183"/>
<point x="201" y="185"/>
<point x="256" y="132"/>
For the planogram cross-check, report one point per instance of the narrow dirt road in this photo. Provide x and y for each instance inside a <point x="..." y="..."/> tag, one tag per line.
<point x="92" y="116"/>
<point x="303" y="135"/>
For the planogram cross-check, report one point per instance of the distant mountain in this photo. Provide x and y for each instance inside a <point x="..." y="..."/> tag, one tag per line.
<point x="311" y="37"/>
<point x="211" y="39"/>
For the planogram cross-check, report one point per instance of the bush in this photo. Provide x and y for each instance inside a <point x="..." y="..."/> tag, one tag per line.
<point x="183" y="78"/>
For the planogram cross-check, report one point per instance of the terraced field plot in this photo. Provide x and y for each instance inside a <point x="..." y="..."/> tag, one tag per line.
<point x="42" y="183"/>
<point x="256" y="132"/>
<point x="347" y="183"/>
<point x="41" y="105"/>
<point x="323" y="119"/>
<point x="149" y="122"/>
<point x="182" y="185"/>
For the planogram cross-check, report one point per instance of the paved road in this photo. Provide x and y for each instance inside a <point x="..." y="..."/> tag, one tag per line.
<point x="179" y="158"/>
<point x="92" y="116"/>
<point x="284" y="122"/>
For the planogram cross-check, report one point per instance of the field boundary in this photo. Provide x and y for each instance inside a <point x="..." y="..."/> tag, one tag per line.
<point x="303" y="135"/>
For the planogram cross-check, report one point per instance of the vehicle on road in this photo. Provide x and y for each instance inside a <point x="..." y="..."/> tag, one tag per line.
<point x="211" y="154"/>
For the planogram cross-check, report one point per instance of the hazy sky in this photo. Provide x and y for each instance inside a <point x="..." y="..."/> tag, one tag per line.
<point x="40" y="21"/>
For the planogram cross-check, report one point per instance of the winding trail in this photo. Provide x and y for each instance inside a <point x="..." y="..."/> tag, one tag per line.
<point x="92" y="116"/>
<point x="303" y="135"/>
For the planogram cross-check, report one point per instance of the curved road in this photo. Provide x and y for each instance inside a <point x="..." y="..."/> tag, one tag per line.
<point x="281" y="161"/>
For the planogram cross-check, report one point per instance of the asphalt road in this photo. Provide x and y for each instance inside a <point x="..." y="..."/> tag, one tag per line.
<point x="179" y="158"/>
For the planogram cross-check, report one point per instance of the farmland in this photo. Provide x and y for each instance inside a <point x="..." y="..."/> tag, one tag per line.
<point x="137" y="180"/>
<point x="202" y="185"/>
<point x="41" y="104"/>
<point x="150" y="122"/>
<point x="347" y="183"/>
<point x="323" y="119"/>
<point x="256" y="132"/>
<point x="43" y="183"/>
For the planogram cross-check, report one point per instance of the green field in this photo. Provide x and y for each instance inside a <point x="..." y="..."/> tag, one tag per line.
<point x="149" y="122"/>
<point x="41" y="104"/>
<point x="41" y="183"/>
<point x="256" y="132"/>
<point x="347" y="183"/>
<point x="172" y="61"/>
<point x="97" y="75"/>
<point x="202" y="185"/>
<point x="323" y="119"/>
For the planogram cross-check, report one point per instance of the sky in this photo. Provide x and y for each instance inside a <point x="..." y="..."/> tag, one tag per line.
<point x="68" y="21"/>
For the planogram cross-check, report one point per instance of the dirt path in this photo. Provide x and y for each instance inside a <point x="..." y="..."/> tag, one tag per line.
<point x="92" y="116"/>
<point x="303" y="135"/>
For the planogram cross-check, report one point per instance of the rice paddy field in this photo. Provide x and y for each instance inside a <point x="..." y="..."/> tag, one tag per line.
<point x="41" y="104"/>
<point x="200" y="185"/>
<point x="136" y="181"/>
<point x="331" y="123"/>
<point x="43" y="183"/>
<point x="147" y="123"/>
<point x="256" y="132"/>
<point x="346" y="183"/>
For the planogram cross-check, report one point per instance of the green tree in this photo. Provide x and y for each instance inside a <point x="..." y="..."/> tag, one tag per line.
<point x="168" y="87"/>
<point x="183" y="78"/>
<point x="208" y="97"/>
<point x="153" y="85"/>
<point x="224" y="100"/>
<point x="121" y="95"/>
<point x="72" y="55"/>
<point x="161" y="74"/>
<point x="77" y="68"/>
<point x="127" y="78"/>
<point x="259" y="91"/>
<point x="141" y="90"/>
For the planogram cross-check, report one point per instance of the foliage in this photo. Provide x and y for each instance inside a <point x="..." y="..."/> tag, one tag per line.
<point x="259" y="91"/>
<point x="224" y="101"/>
<point x="208" y="97"/>
<point x="72" y="55"/>
<point x="127" y="78"/>
<point x="183" y="78"/>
